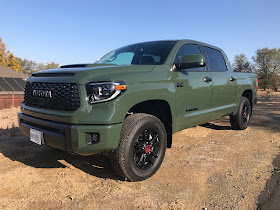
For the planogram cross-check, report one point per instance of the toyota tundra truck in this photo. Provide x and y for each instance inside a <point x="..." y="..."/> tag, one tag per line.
<point x="129" y="103"/>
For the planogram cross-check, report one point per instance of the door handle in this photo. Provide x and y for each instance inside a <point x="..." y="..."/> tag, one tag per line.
<point x="180" y="84"/>
<point x="207" y="79"/>
<point x="232" y="79"/>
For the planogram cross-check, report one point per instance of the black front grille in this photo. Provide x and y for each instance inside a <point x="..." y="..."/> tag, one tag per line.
<point x="63" y="96"/>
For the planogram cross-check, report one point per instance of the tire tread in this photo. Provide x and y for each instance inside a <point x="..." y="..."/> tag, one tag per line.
<point x="118" y="160"/>
<point x="235" y="120"/>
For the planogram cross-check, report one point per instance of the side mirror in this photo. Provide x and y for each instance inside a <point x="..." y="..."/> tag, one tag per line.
<point x="191" y="61"/>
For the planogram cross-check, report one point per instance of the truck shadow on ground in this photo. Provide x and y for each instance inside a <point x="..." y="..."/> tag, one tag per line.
<point x="264" y="116"/>
<point x="216" y="127"/>
<point x="17" y="147"/>
<point x="269" y="197"/>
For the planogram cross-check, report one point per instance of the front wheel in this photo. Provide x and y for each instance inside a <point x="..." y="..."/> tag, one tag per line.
<point x="141" y="147"/>
<point x="240" y="121"/>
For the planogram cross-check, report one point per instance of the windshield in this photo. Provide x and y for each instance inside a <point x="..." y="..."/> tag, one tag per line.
<point x="148" y="53"/>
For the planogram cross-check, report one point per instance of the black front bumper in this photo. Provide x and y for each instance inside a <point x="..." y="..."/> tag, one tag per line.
<point x="56" y="135"/>
<point x="72" y="137"/>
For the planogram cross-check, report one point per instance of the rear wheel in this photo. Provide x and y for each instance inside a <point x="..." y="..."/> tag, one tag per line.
<point x="240" y="121"/>
<point x="141" y="147"/>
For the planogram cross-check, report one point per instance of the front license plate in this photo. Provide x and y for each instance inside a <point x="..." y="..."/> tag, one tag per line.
<point x="36" y="136"/>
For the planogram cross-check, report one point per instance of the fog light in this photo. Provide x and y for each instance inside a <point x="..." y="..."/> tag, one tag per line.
<point x="92" y="138"/>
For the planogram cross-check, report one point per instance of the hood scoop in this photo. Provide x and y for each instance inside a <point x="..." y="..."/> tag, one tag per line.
<point x="62" y="74"/>
<point x="86" y="65"/>
<point x="74" y="66"/>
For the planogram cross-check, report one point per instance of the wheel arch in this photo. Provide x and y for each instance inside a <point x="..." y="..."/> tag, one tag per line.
<point x="248" y="94"/>
<point x="158" y="108"/>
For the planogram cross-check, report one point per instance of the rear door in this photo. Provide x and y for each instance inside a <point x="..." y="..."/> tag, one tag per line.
<point x="193" y="91"/>
<point x="224" y="84"/>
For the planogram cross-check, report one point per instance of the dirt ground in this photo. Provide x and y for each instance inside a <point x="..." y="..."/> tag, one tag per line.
<point x="209" y="166"/>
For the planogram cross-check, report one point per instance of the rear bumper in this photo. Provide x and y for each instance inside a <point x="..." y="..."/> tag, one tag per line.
<point x="71" y="138"/>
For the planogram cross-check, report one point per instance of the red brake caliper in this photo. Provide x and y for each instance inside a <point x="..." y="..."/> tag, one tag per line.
<point x="147" y="148"/>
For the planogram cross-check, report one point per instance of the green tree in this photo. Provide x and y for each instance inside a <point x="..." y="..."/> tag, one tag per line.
<point x="31" y="66"/>
<point x="40" y="67"/>
<point x="242" y="64"/>
<point x="267" y="62"/>
<point x="52" y="65"/>
<point x="275" y="83"/>
<point x="8" y="59"/>
<point x="28" y="66"/>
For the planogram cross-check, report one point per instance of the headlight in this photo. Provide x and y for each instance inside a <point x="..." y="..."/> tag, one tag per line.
<point x="104" y="91"/>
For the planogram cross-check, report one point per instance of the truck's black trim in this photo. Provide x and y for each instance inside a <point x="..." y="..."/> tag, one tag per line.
<point x="56" y="135"/>
<point x="192" y="109"/>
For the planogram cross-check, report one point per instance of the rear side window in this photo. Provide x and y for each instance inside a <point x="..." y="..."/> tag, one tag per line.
<point x="188" y="49"/>
<point x="216" y="59"/>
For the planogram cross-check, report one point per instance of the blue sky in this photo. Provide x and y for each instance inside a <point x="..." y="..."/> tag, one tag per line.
<point x="68" y="32"/>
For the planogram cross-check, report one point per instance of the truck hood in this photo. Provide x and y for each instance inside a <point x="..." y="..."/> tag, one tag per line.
<point x="84" y="73"/>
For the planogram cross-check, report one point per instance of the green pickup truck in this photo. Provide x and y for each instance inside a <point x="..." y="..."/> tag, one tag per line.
<point x="128" y="104"/>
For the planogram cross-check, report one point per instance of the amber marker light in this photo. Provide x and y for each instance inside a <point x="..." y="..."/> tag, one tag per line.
<point x="120" y="87"/>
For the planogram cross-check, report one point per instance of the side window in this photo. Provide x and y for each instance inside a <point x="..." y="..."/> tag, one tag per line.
<point x="156" y="58"/>
<point x="216" y="59"/>
<point x="188" y="49"/>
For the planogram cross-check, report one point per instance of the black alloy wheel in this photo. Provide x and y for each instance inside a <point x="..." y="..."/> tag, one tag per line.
<point x="146" y="149"/>
<point x="141" y="148"/>
<point x="245" y="114"/>
<point x="240" y="120"/>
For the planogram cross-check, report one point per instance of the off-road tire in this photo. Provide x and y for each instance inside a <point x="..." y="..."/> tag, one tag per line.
<point x="240" y="120"/>
<point x="134" y="133"/>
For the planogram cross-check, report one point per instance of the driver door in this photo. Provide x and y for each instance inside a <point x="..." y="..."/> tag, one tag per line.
<point x="193" y="91"/>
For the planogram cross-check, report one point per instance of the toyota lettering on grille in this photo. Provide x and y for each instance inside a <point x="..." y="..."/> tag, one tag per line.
<point x="42" y="93"/>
